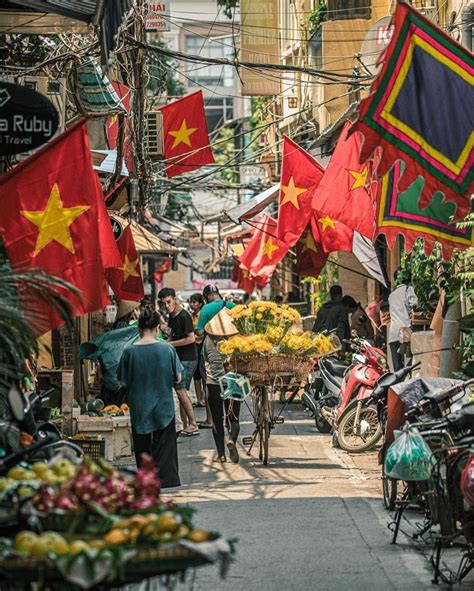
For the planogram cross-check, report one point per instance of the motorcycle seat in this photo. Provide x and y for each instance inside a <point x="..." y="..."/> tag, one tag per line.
<point x="336" y="367"/>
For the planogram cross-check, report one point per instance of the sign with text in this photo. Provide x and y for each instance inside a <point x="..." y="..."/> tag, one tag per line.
<point x="157" y="16"/>
<point x="27" y="119"/>
<point x="260" y="44"/>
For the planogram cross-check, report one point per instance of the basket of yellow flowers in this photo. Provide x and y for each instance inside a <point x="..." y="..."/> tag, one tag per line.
<point x="272" y="345"/>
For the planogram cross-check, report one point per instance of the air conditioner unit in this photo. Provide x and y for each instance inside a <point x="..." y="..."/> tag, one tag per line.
<point x="154" y="134"/>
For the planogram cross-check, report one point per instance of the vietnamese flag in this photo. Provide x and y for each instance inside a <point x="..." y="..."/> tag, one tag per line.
<point x="331" y="234"/>
<point x="50" y="221"/>
<point x="300" y="175"/>
<point x="126" y="279"/>
<point x="185" y="137"/>
<point x="264" y="251"/>
<point x="344" y="193"/>
<point x="112" y="125"/>
<point x="310" y="257"/>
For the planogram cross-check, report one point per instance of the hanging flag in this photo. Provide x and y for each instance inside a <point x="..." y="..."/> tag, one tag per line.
<point x="243" y="279"/>
<point x="163" y="268"/>
<point x="400" y="212"/>
<point x="49" y="221"/>
<point x="300" y="175"/>
<point x="331" y="234"/>
<point x="417" y="112"/>
<point x="185" y="137"/>
<point x="126" y="279"/>
<point x="342" y="192"/>
<point x="310" y="257"/>
<point x="108" y="245"/>
<point x="264" y="251"/>
<point x="112" y="125"/>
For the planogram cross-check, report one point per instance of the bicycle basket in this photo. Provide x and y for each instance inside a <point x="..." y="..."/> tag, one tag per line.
<point x="234" y="386"/>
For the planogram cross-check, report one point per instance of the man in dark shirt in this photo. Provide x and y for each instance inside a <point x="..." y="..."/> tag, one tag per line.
<point x="181" y="336"/>
<point x="333" y="315"/>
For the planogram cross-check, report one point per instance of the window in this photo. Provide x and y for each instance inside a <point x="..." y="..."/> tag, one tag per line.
<point x="213" y="75"/>
<point x="218" y="111"/>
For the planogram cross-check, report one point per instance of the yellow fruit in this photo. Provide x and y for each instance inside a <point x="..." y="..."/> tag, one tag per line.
<point x="169" y="522"/>
<point x="124" y="407"/>
<point x="17" y="473"/>
<point x="198" y="536"/>
<point x="56" y="543"/>
<point x="25" y="491"/>
<point x="6" y="483"/>
<point x="181" y="532"/>
<point x="97" y="544"/>
<point x="39" y="468"/>
<point x="24" y="541"/>
<point x="78" y="546"/>
<point x="115" y="537"/>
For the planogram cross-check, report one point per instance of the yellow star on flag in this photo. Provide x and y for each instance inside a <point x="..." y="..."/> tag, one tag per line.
<point x="308" y="243"/>
<point x="54" y="221"/>
<point x="292" y="193"/>
<point x="245" y="274"/>
<point x="182" y="135"/>
<point x="326" y="222"/>
<point x="360" y="178"/>
<point x="269" y="248"/>
<point x="129" y="268"/>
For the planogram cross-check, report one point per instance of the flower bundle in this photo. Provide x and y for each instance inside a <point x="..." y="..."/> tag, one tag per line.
<point x="264" y="317"/>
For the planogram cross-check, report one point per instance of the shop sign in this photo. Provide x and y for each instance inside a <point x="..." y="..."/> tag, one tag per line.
<point x="27" y="119"/>
<point x="116" y="227"/>
<point x="157" y="16"/>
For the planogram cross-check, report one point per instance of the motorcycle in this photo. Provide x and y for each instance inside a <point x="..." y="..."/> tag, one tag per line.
<point x="324" y="390"/>
<point x="24" y="437"/>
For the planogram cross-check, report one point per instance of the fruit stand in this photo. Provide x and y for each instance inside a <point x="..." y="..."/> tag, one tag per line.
<point x="90" y="526"/>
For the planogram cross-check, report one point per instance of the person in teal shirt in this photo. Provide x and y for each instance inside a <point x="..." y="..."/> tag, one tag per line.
<point x="214" y="305"/>
<point x="149" y="370"/>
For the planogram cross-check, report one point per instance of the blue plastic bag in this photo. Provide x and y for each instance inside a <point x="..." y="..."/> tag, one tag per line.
<point x="409" y="458"/>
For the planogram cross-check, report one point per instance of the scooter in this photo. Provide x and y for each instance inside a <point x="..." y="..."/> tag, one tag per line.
<point x="358" y="384"/>
<point x="25" y="438"/>
<point x="329" y="380"/>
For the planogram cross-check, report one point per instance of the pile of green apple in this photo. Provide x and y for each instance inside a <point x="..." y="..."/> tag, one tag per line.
<point x="39" y="472"/>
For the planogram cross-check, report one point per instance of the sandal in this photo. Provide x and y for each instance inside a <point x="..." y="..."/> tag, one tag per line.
<point x="190" y="433"/>
<point x="203" y="425"/>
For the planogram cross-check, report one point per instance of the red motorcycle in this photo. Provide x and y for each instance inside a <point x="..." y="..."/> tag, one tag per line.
<point x="356" y="427"/>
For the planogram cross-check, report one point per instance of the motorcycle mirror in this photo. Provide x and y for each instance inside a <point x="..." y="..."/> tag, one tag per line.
<point x="16" y="400"/>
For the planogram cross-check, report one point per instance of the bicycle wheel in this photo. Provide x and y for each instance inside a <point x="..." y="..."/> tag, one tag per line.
<point x="389" y="488"/>
<point x="266" y="440"/>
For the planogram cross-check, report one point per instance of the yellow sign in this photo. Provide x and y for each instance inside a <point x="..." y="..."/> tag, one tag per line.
<point x="259" y="42"/>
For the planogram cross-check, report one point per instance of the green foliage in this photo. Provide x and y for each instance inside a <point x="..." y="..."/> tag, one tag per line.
<point x="322" y="284"/>
<point x="318" y="16"/>
<point x="162" y="70"/>
<point x="17" y="339"/>
<point x="228" y="6"/>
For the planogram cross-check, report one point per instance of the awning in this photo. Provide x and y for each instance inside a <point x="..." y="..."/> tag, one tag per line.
<point x="105" y="161"/>
<point x="145" y="241"/>
<point x="254" y="206"/>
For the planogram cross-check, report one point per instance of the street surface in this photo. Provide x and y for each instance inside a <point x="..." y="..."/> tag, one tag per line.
<point x="311" y="519"/>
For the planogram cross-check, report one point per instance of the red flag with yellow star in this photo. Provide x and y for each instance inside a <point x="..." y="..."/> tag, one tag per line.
<point x="126" y="280"/>
<point x="344" y="191"/>
<point x="185" y="137"/>
<point x="331" y="234"/>
<point x="264" y="251"/>
<point x="300" y="175"/>
<point x="310" y="257"/>
<point x="50" y="221"/>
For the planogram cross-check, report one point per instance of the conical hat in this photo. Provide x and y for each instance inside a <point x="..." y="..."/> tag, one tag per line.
<point x="221" y="325"/>
<point x="125" y="307"/>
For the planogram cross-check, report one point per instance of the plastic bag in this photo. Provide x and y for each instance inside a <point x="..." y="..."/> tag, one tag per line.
<point x="467" y="482"/>
<point x="409" y="458"/>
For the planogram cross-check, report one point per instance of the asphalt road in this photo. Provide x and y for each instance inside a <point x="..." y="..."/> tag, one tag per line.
<point x="311" y="519"/>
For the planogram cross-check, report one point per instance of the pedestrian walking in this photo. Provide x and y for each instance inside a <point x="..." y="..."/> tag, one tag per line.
<point x="182" y="337"/>
<point x="214" y="304"/>
<point x="149" y="369"/>
<point x="401" y="303"/>
<point x="225" y="413"/>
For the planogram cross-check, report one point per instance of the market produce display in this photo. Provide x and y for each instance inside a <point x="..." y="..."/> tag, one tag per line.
<point x="94" y="514"/>
<point x="97" y="408"/>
